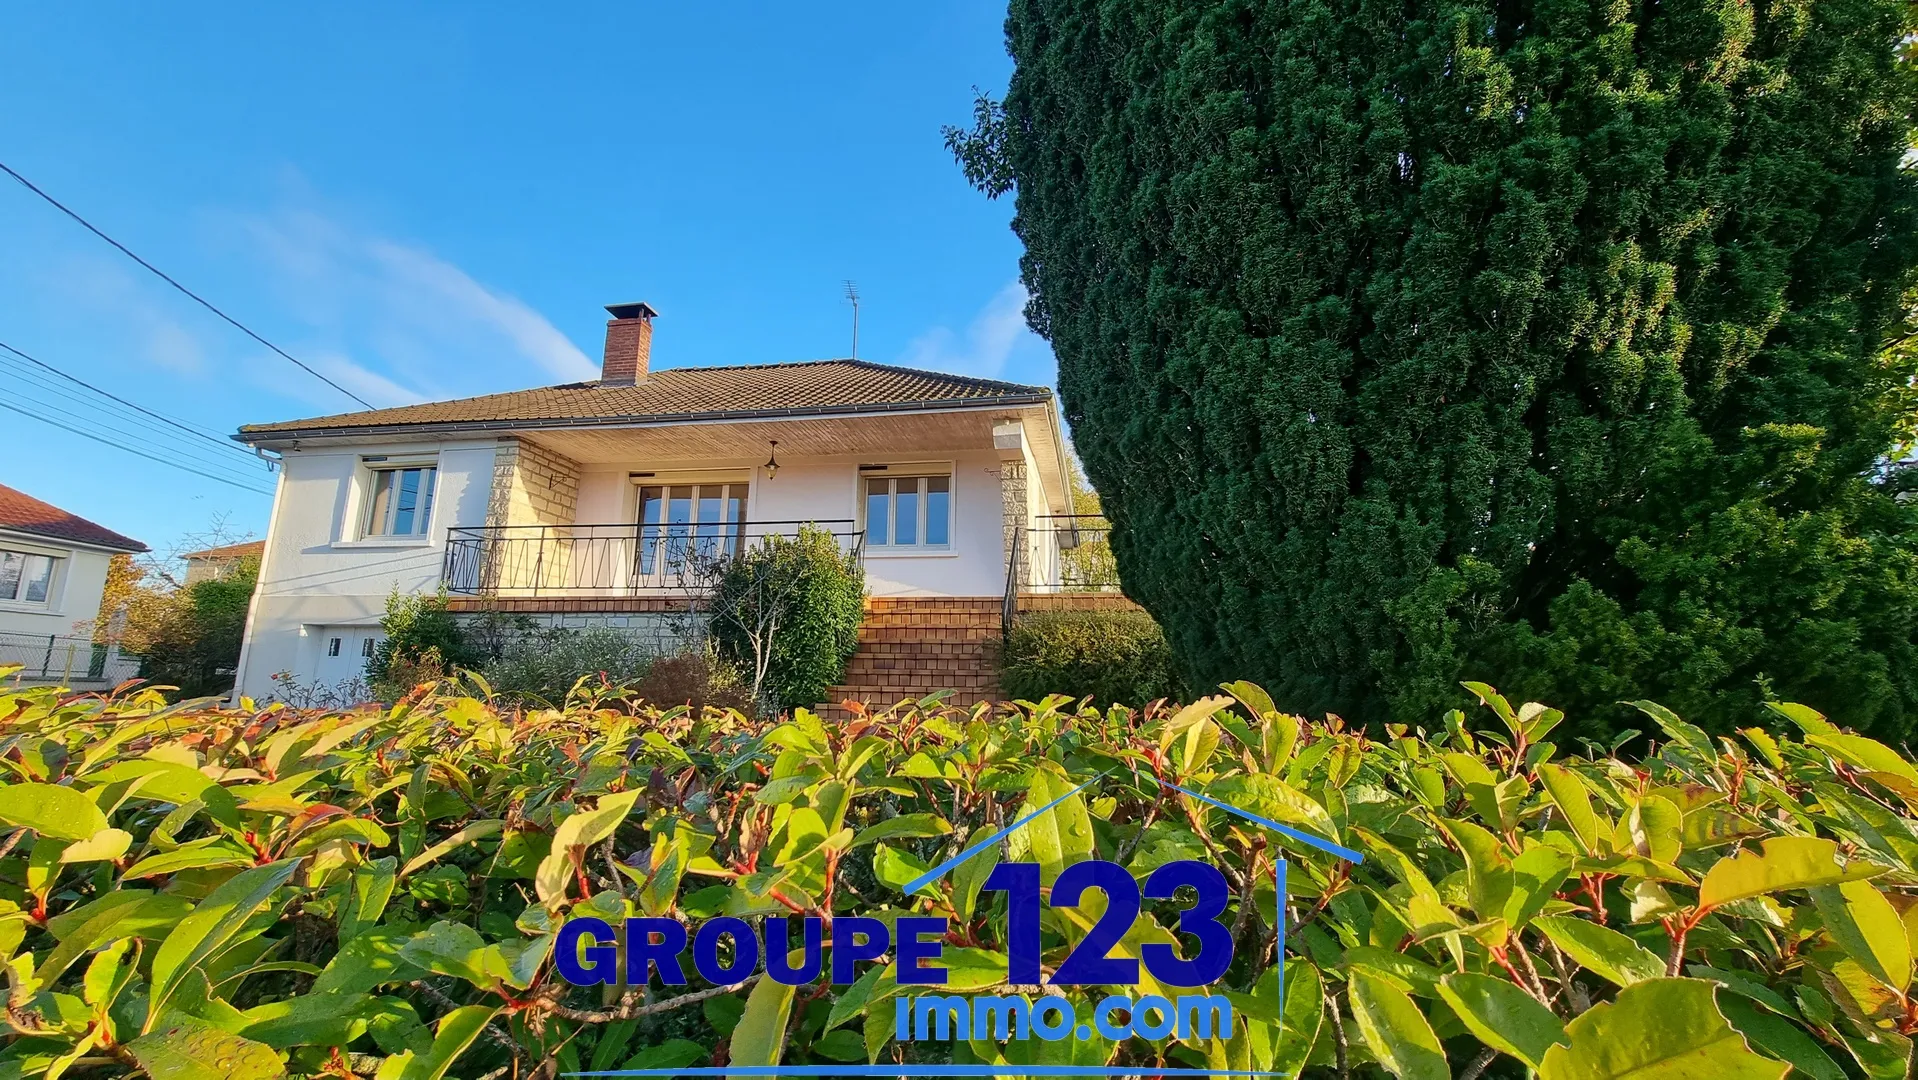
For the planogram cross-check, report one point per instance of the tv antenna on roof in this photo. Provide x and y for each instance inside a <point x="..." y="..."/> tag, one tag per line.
<point x="852" y="295"/>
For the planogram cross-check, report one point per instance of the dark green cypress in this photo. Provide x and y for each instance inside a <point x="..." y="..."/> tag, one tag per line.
<point x="1533" y="341"/>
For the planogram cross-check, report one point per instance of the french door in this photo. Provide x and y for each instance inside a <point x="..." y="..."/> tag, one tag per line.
<point x="681" y="523"/>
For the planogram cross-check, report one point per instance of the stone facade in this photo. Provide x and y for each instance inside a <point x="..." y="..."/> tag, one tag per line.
<point x="532" y="486"/>
<point x="1015" y="505"/>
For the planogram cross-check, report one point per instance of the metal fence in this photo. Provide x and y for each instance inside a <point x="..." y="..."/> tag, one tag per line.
<point x="608" y="560"/>
<point x="53" y="658"/>
<point x="1059" y="553"/>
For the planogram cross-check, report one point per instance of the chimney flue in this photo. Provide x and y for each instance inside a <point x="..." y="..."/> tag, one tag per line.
<point x="629" y="344"/>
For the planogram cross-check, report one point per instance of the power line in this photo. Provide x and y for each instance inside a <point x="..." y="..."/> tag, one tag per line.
<point x="82" y="432"/>
<point x="150" y="440"/>
<point x="156" y="438"/>
<point x="196" y="297"/>
<point x="215" y="439"/>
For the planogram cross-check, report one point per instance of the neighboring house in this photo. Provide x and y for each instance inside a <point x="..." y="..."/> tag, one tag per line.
<point x="216" y="563"/>
<point x="586" y="503"/>
<point x="53" y="572"/>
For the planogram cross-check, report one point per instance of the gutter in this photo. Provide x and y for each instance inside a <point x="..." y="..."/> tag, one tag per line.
<point x="276" y="435"/>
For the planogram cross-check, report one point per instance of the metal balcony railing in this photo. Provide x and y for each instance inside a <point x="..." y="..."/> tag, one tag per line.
<point x="608" y="560"/>
<point x="1069" y="553"/>
<point x="1059" y="553"/>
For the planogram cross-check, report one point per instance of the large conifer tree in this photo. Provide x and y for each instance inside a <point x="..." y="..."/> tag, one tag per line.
<point x="1536" y="341"/>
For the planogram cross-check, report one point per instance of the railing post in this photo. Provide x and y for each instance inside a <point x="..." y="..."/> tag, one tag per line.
<point x="1012" y="584"/>
<point x="46" y="662"/>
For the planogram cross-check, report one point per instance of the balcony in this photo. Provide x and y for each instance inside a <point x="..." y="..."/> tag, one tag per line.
<point x="608" y="561"/>
<point x="1065" y="553"/>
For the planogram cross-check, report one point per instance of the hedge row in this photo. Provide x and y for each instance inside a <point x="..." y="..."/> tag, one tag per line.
<point x="235" y="894"/>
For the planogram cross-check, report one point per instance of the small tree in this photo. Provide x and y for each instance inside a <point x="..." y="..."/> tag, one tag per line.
<point x="190" y="638"/>
<point x="787" y="610"/>
<point x="420" y="640"/>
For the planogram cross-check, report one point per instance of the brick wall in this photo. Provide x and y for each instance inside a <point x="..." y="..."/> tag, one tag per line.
<point x="532" y="486"/>
<point x="910" y="647"/>
<point x="1076" y="601"/>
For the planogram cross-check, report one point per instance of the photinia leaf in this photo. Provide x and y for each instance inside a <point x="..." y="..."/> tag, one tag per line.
<point x="1784" y="862"/>
<point x="1503" y="1016"/>
<point x="1659" y="1029"/>
<point x="1397" y="1033"/>
<point x="50" y="810"/>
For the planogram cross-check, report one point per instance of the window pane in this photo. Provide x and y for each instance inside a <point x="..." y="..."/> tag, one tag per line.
<point x="10" y="574"/>
<point x="878" y="507"/>
<point x="380" y="512"/>
<point x="938" y="509"/>
<point x="905" y="512"/>
<point x="366" y="647"/>
<point x="37" y="575"/>
<point x="428" y="479"/>
<point x="735" y="517"/>
<point x="652" y="508"/>
<point x="333" y="647"/>
<point x="406" y="506"/>
<point x="679" y="518"/>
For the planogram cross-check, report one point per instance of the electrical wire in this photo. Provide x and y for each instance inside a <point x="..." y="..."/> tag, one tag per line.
<point x="196" y="297"/>
<point x="183" y="426"/>
<point x="83" y="433"/>
<point x="152" y="434"/>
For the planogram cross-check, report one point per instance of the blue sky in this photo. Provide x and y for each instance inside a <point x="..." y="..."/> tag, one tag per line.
<point x="428" y="201"/>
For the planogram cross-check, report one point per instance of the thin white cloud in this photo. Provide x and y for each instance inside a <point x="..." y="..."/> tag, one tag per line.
<point x="374" y="387"/>
<point x="990" y="341"/>
<point x="417" y="326"/>
<point x="146" y="330"/>
<point x="536" y="339"/>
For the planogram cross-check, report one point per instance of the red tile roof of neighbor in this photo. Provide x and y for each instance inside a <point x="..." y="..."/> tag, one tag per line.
<point x="22" y="513"/>
<point x="246" y="549"/>
<point x="815" y="387"/>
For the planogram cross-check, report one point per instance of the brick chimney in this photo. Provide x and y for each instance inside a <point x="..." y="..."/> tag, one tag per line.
<point x="629" y="344"/>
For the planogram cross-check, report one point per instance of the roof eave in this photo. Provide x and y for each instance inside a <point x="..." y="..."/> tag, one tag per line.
<point x="277" y="436"/>
<point x="131" y="547"/>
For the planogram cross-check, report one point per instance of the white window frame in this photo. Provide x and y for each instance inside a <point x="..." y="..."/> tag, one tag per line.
<point x="357" y="520"/>
<point x="915" y="471"/>
<point x="56" y="584"/>
<point x="56" y="577"/>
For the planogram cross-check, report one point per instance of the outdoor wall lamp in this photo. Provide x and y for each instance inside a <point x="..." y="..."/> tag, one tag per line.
<point x="772" y="463"/>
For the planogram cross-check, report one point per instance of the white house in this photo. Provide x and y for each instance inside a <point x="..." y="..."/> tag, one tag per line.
<point x="53" y="572"/>
<point x="581" y="503"/>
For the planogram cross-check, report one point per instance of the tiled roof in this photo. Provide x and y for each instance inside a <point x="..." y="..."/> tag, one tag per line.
<point x="676" y="394"/>
<point x="247" y="549"/>
<point x="22" y="513"/>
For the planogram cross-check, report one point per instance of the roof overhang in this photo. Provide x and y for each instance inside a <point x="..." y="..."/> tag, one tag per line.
<point x="285" y="438"/>
<point x="50" y="540"/>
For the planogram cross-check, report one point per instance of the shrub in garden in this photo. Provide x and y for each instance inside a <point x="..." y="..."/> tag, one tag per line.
<point x="421" y="641"/>
<point x="544" y="665"/>
<point x="1113" y="656"/>
<point x="225" y="894"/>
<point x="787" y="611"/>
<point x="190" y="639"/>
<point x="698" y="677"/>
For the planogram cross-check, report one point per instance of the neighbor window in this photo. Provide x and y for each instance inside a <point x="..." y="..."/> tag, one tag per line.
<point x="909" y="511"/>
<point x="332" y="646"/>
<point x="366" y="647"/>
<point x="402" y="500"/>
<point x="25" y="577"/>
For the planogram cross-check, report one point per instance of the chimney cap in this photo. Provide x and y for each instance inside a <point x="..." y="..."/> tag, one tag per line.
<point x="639" y="309"/>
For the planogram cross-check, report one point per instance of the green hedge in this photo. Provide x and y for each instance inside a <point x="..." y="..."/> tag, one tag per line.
<point x="1112" y="656"/>
<point x="241" y="894"/>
